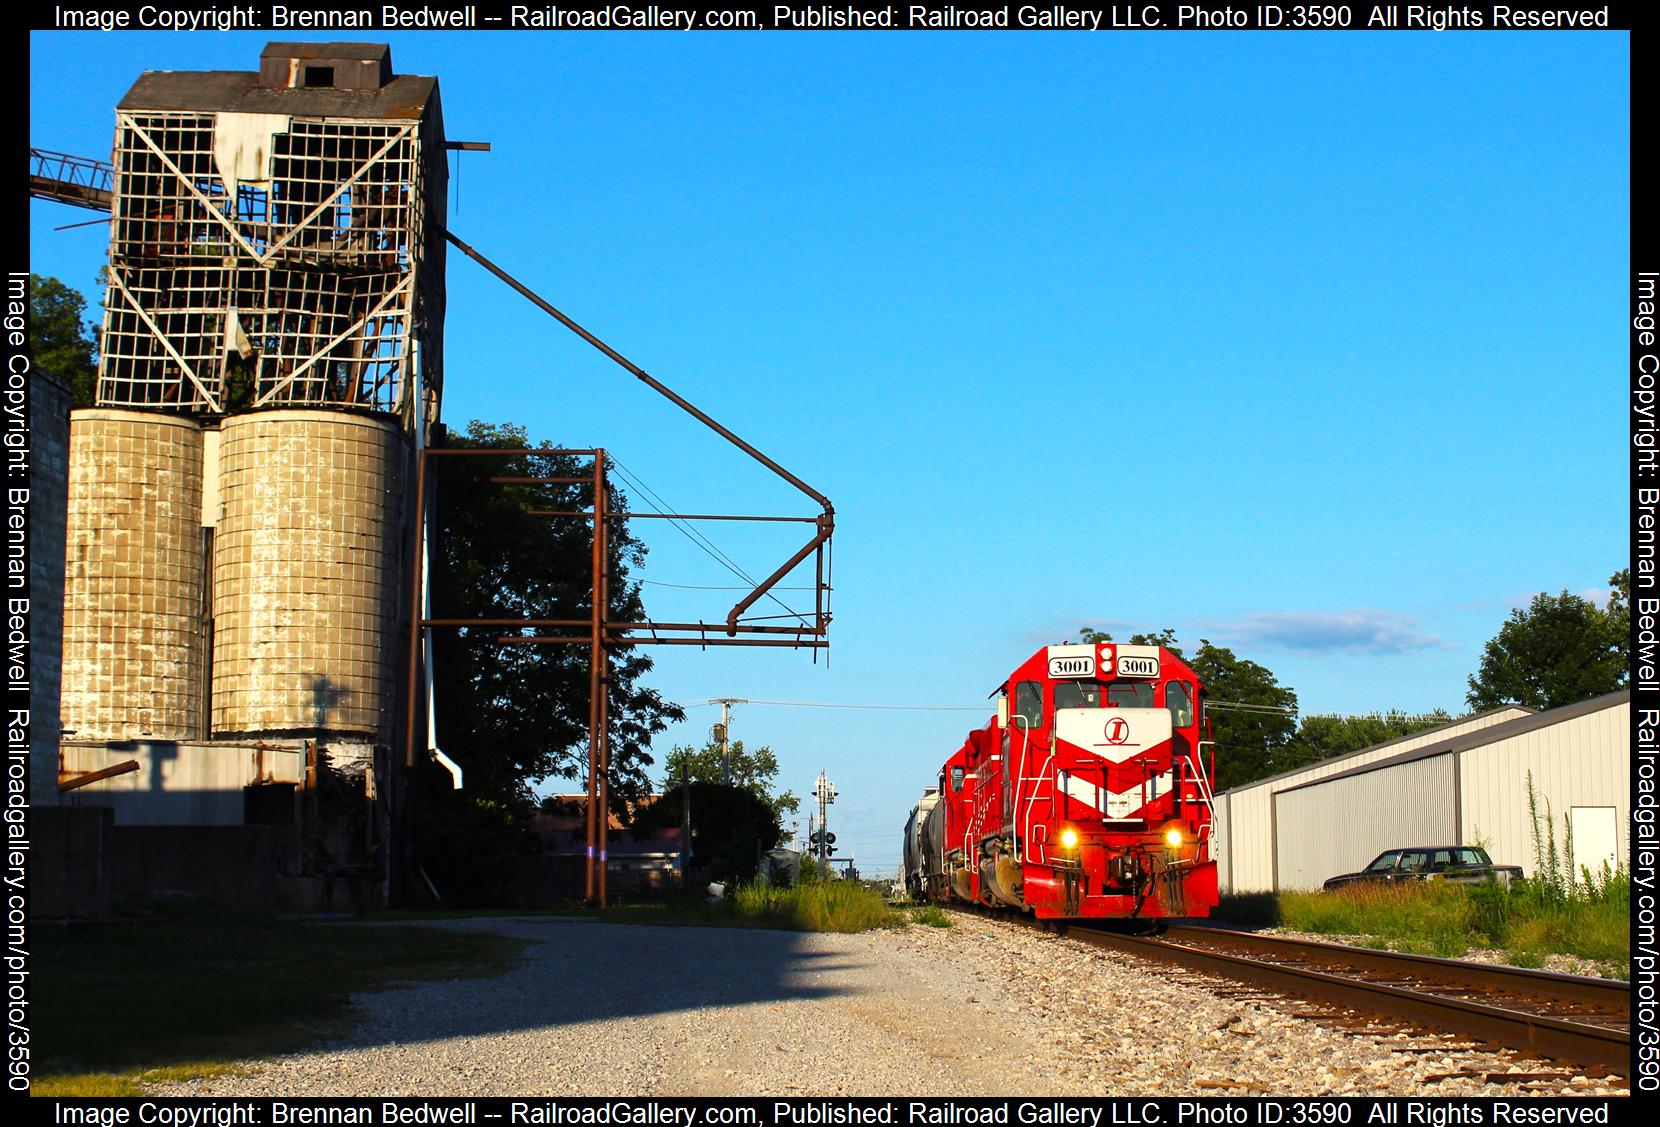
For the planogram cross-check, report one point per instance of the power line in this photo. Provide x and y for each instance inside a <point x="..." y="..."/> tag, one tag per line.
<point x="699" y="587"/>
<point x="657" y="502"/>
<point x="837" y="704"/>
<point x="1225" y="706"/>
<point x="1239" y="706"/>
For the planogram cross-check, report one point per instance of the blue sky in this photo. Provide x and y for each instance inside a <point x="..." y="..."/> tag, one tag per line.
<point x="1309" y="345"/>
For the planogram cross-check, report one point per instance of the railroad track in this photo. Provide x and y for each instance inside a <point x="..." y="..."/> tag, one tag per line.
<point x="1561" y="1016"/>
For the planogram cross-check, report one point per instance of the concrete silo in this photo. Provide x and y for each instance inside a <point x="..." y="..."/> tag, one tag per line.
<point x="135" y="642"/>
<point x="306" y="569"/>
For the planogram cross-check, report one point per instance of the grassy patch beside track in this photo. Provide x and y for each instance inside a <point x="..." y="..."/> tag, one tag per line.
<point x="192" y="990"/>
<point x="818" y="906"/>
<point x="1528" y="922"/>
<point x="930" y="915"/>
<point x="844" y="906"/>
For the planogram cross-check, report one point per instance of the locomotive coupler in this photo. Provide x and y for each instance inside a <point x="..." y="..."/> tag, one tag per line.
<point x="1126" y="870"/>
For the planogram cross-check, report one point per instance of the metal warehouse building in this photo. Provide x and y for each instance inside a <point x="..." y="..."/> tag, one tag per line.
<point x="1451" y="785"/>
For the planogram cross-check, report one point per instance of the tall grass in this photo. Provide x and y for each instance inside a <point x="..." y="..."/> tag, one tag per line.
<point x="1428" y="918"/>
<point x="837" y="905"/>
<point x="930" y="915"/>
<point x="1563" y="908"/>
<point x="1437" y="918"/>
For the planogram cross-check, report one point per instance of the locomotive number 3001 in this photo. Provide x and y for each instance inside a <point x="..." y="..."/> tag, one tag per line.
<point x="1076" y="666"/>
<point x="1138" y="666"/>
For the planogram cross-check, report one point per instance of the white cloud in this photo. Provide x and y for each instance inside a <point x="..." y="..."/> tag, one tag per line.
<point x="1356" y="631"/>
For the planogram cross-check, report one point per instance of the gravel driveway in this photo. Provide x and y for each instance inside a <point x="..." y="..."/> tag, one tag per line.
<point x="980" y="1008"/>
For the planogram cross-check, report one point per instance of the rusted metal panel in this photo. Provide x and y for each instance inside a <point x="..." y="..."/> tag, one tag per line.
<point x="346" y="66"/>
<point x="76" y="782"/>
<point x="405" y="97"/>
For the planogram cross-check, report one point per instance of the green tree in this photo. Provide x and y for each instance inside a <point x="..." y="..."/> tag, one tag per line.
<point x="1619" y="614"/>
<point x="512" y="714"/>
<point x="1253" y="716"/>
<point x="1325" y="737"/>
<point x="753" y="771"/>
<point x="1560" y="650"/>
<point x="1165" y="638"/>
<point x="731" y="826"/>
<point x="61" y="340"/>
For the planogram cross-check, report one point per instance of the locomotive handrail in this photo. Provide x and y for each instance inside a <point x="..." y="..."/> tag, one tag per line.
<point x="1206" y="795"/>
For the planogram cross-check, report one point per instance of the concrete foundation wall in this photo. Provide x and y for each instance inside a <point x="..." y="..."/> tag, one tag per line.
<point x="84" y="863"/>
<point x="69" y="871"/>
<point x="232" y="865"/>
<point x="134" y="646"/>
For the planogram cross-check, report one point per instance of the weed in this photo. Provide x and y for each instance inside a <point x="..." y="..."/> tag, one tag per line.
<point x="1430" y="917"/>
<point x="1563" y="908"/>
<point x="930" y="915"/>
<point x="835" y="905"/>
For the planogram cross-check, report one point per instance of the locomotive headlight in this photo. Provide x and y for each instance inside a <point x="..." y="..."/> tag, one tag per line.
<point x="1173" y="837"/>
<point x="1069" y="838"/>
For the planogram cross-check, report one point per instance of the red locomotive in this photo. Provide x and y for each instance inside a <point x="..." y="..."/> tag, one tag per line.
<point x="1086" y="796"/>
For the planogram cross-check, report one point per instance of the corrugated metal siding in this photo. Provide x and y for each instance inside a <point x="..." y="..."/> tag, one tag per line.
<point x="1249" y="864"/>
<point x="1339" y="826"/>
<point x="1219" y="852"/>
<point x="1251" y="840"/>
<point x="1580" y="762"/>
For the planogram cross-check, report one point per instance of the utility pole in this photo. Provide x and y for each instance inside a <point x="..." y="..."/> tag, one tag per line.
<point x="685" y="828"/>
<point x="599" y="668"/>
<point x="822" y="840"/>
<point x="723" y="733"/>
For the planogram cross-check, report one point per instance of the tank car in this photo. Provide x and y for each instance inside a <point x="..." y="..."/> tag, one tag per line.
<point x="913" y="863"/>
<point x="1087" y="796"/>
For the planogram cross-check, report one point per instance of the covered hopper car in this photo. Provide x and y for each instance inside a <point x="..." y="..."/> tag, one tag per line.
<point x="1088" y="795"/>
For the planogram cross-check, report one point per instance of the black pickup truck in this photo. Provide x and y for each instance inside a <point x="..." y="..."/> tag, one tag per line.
<point x="1466" y="864"/>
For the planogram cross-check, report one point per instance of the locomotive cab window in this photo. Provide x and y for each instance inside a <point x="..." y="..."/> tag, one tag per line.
<point x="1086" y="693"/>
<point x="956" y="780"/>
<point x="1028" y="705"/>
<point x="1078" y="694"/>
<point x="1130" y="694"/>
<point x="1178" y="698"/>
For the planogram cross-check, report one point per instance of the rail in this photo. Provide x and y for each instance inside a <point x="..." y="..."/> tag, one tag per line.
<point x="1569" y="1017"/>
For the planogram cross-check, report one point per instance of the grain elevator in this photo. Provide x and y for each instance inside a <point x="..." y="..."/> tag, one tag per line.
<point x="239" y="518"/>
